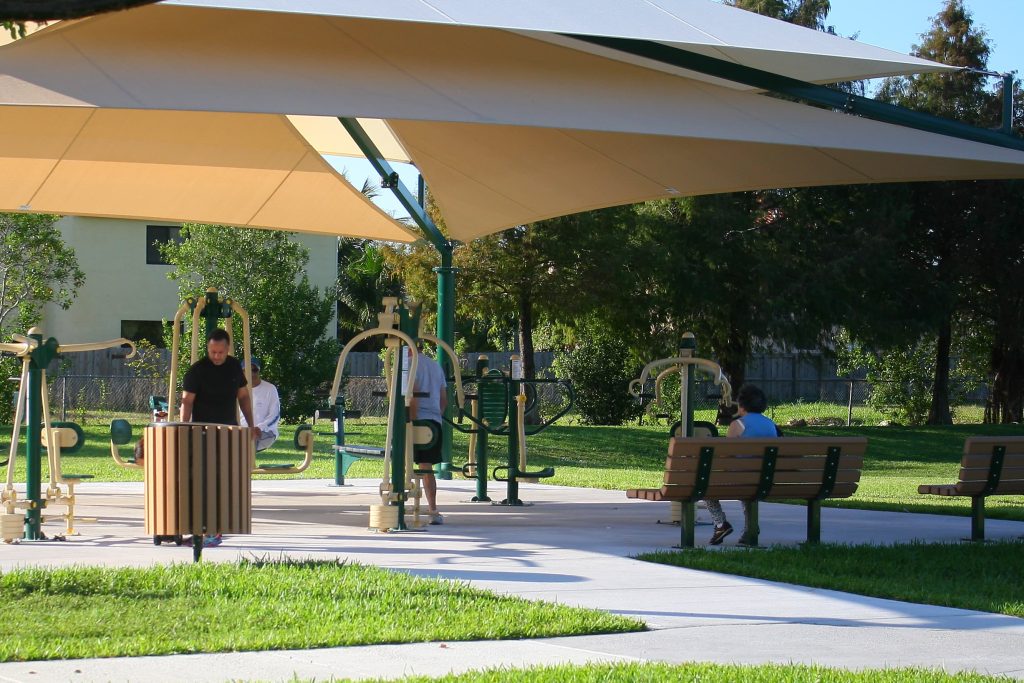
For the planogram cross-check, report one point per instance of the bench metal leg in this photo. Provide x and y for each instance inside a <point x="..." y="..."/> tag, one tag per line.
<point x="686" y="525"/>
<point x="814" y="521"/>
<point x="978" y="518"/>
<point x="753" y="523"/>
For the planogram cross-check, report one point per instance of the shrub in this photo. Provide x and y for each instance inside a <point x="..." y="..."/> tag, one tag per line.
<point x="600" y="368"/>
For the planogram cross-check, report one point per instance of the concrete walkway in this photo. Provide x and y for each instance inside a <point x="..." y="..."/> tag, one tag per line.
<point x="572" y="546"/>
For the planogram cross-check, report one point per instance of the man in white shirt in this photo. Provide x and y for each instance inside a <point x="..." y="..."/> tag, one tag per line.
<point x="266" y="407"/>
<point x="430" y="380"/>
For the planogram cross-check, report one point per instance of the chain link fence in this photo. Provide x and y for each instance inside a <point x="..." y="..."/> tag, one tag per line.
<point x="826" y="402"/>
<point x="829" y="402"/>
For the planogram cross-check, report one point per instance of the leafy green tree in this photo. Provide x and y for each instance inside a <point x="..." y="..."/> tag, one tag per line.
<point x="36" y="268"/>
<point x="730" y="270"/>
<point x="996" y="313"/>
<point x="809" y="13"/>
<point x="263" y="271"/>
<point x="364" y="278"/>
<point x="736" y="275"/>
<point x="554" y="270"/>
<point x="945" y="226"/>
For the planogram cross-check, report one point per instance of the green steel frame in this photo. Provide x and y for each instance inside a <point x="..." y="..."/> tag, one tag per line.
<point x="445" y="273"/>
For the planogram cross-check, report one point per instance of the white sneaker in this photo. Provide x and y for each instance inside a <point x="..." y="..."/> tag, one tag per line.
<point x="436" y="519"/>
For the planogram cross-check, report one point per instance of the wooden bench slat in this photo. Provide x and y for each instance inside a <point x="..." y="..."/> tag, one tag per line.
<point x="939" y="489"/>
<point x="981" y="474"/>
<point x="982" y="460"/>
<point x="804" y="492"/>
<point x="644" y="494"/>
<point x="754" y="476"/>
<point x="1011" y="487"/>
<point x="741" y="492"/>
<point x="748" y="463"/>
<point x="794" y="446"/>
<point x="982" y="445"/>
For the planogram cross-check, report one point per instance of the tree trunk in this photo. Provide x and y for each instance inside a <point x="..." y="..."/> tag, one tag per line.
<point x="939" y="413"/>
<point x="732" y="354"/>
<point x="526" y="346"/>
<point x="1008" y="371"/>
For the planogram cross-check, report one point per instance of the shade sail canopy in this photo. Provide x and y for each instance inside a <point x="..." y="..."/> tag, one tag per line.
<point x="508" y="120"/>
<point x="250" y="170"/>
<point x="702" y="26"/>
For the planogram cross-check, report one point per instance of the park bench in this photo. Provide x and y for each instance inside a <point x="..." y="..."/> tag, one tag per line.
<point x="991" y="466"/>
<point x="789" y="468"/>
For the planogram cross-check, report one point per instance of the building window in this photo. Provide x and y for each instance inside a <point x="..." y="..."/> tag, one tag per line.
<point x="151" y="331"/>
<point x="157" y="235"/>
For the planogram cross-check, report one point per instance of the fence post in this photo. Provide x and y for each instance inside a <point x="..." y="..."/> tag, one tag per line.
<point x="849" y="407"/>
<point x="64" y="398"/>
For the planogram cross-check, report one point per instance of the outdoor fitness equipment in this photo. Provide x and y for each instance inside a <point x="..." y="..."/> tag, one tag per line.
<point x="685" y="364"/>
<point x="36" y="354"/>
<point x="397" y="324"/>
<point x="499" y="407"/>
<point x="210" y="308"/>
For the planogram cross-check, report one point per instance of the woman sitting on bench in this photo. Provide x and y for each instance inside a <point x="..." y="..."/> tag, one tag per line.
<point x="748" y="423"/>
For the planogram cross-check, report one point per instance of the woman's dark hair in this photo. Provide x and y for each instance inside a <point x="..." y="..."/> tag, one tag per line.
<point x="752" y="399"/>
<point x="219" y="334"/>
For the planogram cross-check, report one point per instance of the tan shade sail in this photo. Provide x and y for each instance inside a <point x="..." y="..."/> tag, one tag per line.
<point x="506" y="125"/>
<point x="250" y="170"/>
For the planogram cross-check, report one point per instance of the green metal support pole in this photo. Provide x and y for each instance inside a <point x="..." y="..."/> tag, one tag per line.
<point x="40" y="358"/>
<point x="512" y="495"/>
<point x="810" y="93"/>
<point x="33" y="442"/>
<point x="339" y="439"/>
<point x="445" y="274"/>
<point x="398" y="446"/>
<point x="481" y="437"/>
<point x="446" y="333"/>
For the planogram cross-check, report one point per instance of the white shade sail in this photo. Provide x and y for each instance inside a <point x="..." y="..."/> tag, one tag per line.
<point x="192" y="112"/>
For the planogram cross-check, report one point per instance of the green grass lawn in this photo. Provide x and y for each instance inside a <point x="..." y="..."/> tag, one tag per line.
<point x="984" y="577"/>
<point x="210" y="607"/>
<point x="898" y="460"/>
<point x="702" y="673"/>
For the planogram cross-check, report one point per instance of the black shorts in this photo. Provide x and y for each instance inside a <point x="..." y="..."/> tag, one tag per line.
<point x="430" y="455"/>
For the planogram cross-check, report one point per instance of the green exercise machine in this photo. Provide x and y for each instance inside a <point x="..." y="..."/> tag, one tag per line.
<point x="21" y="518"/>
<point x="399" y="325"/>
<point x="498" y="407"/>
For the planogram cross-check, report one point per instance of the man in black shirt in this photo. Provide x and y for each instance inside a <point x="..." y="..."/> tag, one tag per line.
<point x="214" y="384"/>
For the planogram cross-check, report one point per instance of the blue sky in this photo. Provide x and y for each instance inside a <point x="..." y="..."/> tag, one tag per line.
<point x="898" y="25"/>
<point x="893" y="24"/>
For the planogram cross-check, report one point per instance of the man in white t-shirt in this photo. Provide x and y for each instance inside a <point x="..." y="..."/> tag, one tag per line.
<point x="266" y="407"/>
<point x="430" y="380"/>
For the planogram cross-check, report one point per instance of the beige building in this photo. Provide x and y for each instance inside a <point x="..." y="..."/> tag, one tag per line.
<point x="126" y="291"/>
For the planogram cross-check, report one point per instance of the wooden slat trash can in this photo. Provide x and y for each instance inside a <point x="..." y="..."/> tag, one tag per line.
<point x="198" y="479"/>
